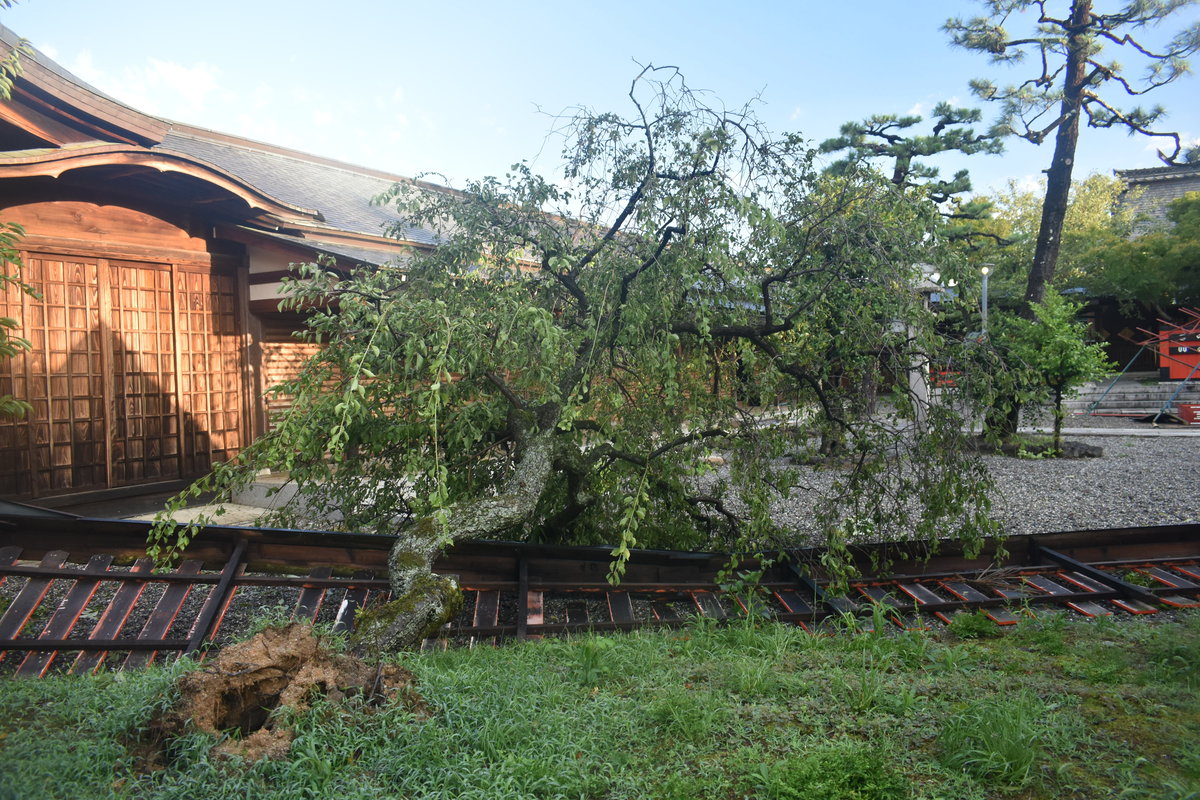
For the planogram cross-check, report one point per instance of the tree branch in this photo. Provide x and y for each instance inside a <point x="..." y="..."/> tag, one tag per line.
<point x="506" y="390"/>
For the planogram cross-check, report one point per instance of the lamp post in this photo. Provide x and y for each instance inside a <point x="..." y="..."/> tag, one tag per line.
<point x="985" y="269"/>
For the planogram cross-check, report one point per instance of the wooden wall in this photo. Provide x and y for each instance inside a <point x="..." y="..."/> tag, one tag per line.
<point x="282" y="357"/>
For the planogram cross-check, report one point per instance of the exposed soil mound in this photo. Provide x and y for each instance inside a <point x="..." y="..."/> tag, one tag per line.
<point x="238" y="691"/>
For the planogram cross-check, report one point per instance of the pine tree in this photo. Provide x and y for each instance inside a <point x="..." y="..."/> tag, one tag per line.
<point x="1072" y="81"/>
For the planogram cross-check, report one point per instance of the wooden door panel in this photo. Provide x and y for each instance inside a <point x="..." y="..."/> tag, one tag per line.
<point x="210" y="368"/>
<point x="144" y="386"/>
<point x="144" y="375"/>
<point x="59" y="446"/>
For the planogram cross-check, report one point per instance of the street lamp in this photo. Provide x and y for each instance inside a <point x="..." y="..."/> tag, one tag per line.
<point x="985" y="269"/>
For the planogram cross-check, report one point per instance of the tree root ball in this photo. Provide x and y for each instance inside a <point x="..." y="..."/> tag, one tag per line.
<point x="236" y="694"/>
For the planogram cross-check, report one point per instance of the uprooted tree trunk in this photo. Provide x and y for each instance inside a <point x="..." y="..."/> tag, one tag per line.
<point x="422" y="601"/>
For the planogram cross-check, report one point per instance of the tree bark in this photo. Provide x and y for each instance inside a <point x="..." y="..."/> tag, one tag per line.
<point x="422" y="602"/>
<point x="1058" y="420"/>
<point x="1004" y="422"/>
<point x="1058" y="176"/>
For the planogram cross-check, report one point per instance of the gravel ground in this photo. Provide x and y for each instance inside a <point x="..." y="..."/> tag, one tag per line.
<point x="1139" y="481"/>
<point x="1142" y="480"/>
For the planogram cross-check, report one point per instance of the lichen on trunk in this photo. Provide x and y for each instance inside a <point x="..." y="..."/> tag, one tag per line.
<point x="422" y="601"/>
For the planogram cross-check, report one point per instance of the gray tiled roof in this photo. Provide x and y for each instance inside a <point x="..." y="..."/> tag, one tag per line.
<point x="1166" y="172"/>
<point x="361" y="255"/>
<point x="341" y="195"/>
<point x="1157" y="188"/>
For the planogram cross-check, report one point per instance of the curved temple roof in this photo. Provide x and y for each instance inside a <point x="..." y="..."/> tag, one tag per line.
<point x="83" y="128"/>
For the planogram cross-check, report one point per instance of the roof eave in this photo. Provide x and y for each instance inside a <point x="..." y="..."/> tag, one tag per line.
<point x="53" y="162"/>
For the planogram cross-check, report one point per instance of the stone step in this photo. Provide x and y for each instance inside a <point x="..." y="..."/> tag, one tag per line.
<point x="1127" y="412"/>
<point x="1142" y="399"/>
<point x="1104" y="408"/>
<point x="1136" y="392"/>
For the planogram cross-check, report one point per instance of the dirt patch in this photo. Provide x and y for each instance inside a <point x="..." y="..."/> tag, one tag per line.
<point x="239" y="691"/>
<point x="1035" y="446"/>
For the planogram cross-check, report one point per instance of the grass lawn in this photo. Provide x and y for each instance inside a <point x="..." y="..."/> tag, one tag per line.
<point x="1058" y="707"/>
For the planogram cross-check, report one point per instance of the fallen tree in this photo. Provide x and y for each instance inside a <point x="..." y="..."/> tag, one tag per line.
<point x="560" y="365"/>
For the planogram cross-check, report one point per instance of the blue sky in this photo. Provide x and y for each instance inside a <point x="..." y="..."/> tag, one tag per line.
<point x="456" y="89"/>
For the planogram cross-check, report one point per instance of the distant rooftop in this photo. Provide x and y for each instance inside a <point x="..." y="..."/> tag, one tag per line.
<point x="1156" y="188"/>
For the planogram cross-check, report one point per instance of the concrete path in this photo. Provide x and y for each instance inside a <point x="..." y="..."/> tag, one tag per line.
<point x="233" y="514"/>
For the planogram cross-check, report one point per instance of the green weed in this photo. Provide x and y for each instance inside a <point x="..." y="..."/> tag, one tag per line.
<point x="1174" y="654"/>
<point x="592" y="667"/>
<point x="974" y="625"/>
<point x="862" y="691"/>
<point x="840" y="771"/>
<point x="709" y="711"/>
<point x="687" y="713"/>
<point x="1138" y="578"/>
<point x="997" y="740"/>
<point x="1046" y="631"/>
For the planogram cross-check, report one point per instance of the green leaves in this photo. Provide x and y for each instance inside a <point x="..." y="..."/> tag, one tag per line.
<point x="706" y="293"/>
<point x="10" y="275"/>
<point x="886" y="138"/>
<point x="1159" y="267"/>
<point x="1054" y="353"/>
<point x="634" y="513"/>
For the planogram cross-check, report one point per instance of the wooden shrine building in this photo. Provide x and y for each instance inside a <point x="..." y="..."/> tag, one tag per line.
<point x="157" y="248"/>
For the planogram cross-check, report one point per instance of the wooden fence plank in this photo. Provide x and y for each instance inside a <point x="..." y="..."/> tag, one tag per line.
<point x="356" y="598"/>
<point x="163" y="615"/>
<point x="114" y="616"/>
<point x="311" y="597"/>
<point x="62" y="622"/>
<point x="27" y="600"/>
<point x="487" y="613"/>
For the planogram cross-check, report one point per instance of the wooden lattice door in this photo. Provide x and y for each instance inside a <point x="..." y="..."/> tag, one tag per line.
<point x="210" y="369"/>
<point x="60" y="444"/>
<point x="144" y="424"/>
<point x="134" y="375"/>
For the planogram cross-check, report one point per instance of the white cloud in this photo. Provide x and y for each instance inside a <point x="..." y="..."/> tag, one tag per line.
<point x="262" y="96"/>
<point x="917" y="109"/>
<point x="85" y="67"/>
<point x="301" y="94"/>
<point x="195" y="82"/>
<point x="258" y="127"/>
<point x="1155" y="144"/>
<point x="797" y="113"/>
<point x="162" y="88"/>
<point x="321" y="117"/>
<point x="1029" y="183"/>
